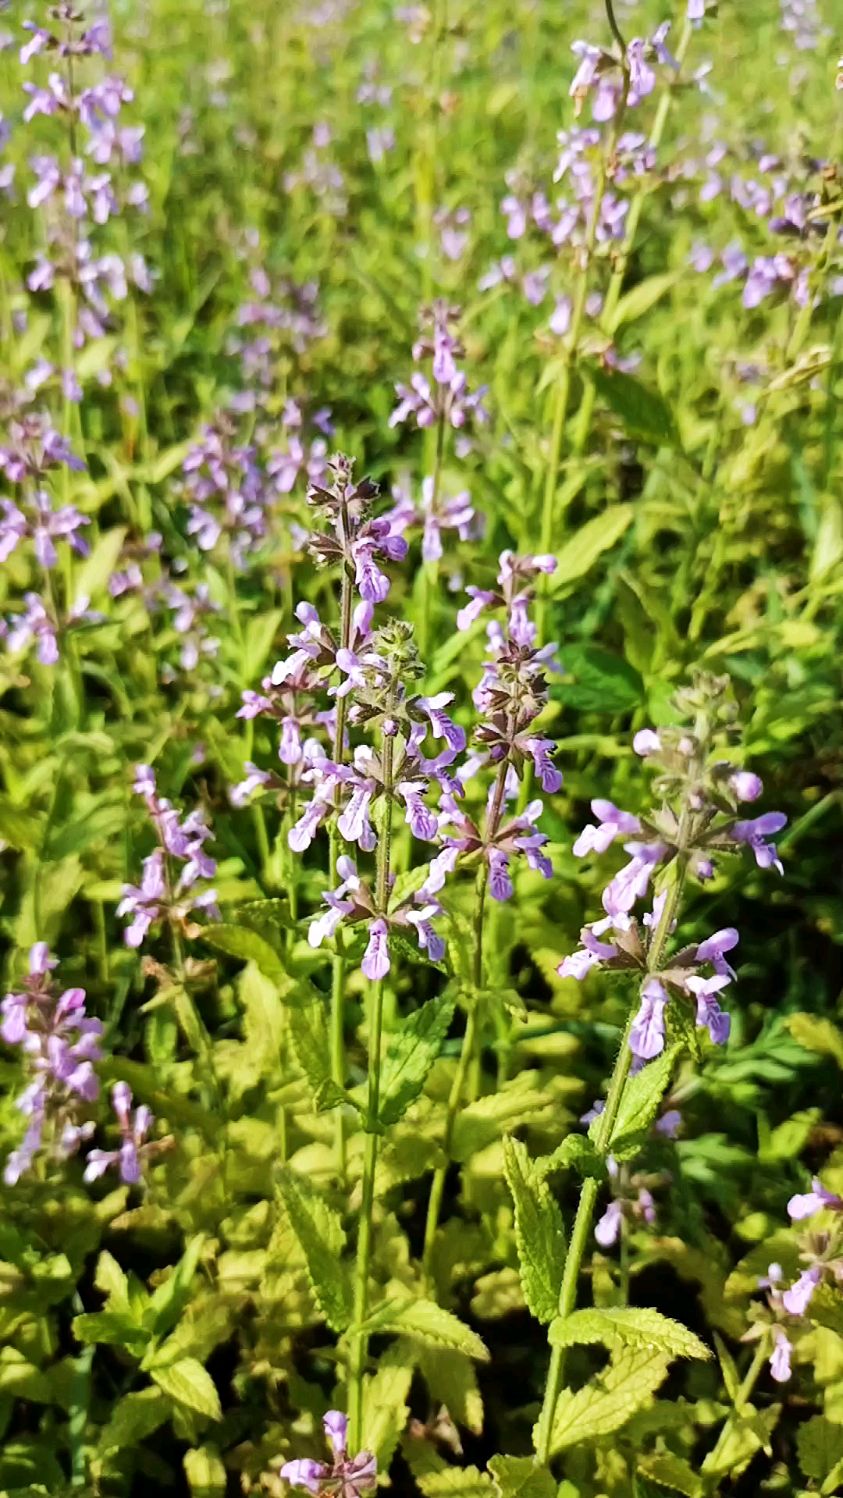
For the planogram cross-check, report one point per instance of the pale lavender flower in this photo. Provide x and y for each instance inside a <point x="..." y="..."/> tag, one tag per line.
<point x="134" y="1126"/>
<point x="646" y="1038"/>
<point x="343" y="1476"/>
<point x="818" y="1199"/>
<point x="797" y="1299"/>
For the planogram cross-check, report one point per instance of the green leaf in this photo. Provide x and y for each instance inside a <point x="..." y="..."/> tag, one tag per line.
<point x="451" y="1380"/>
<point x="20" y="827"/>
<point x="640" y="299"/>
<point x="605" y="1404"/>
<point x="170" y="1298"/>
<point x="640" y="1104"/>
<point x="463" y="1482"/>
<point x="587" y="545"/>
<point x="133" y="1418"/>
<point x="673" y="1472"/>
<point x="101" y="823"/>
<point x="424" y="1321"/>
<point x="410" y="1054"/>
<point x="539" y="1232"/>
<point x="385" y="1407"/>
<point x="22" y="1379"/>
<point x="519" y="1477"/>
<point x="111" y="1328"/>
<point x="479" y="1124"/>
<point x="249" y="946"/>
<point x="112" y="1281"/>
<point x="93" y="574"/>
<point x="577" y="1152"/>
<point x="812" y="1032"/>
<point x="597" y="681"/>
<point x="187" y="1382"/>
<point x="320" y="1235"/>
<point x="309" y="1036"/>
<point x="820" y="1446"/>
<point x="205" y="1473"/>
<point x="628" y="1326"/>
<point x="644" y="413"/>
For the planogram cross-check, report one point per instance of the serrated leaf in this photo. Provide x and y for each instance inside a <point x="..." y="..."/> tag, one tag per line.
<point x="113" y="1282"/>
<point x="410" y="1054"/>
<point x="477" y="1125"/>
<point x="640" y="1104"/>
<point x="425" y="1321"/>
<point x="519" y="1477"/>
<point x="247" y="944"/>
<point x="644" y="413"/>
<point x="461" y="1482"/>
<point x="187" y="1382"/>
<point x="320" y="1235"/>
<point x="451" y="1380"/>
<point x="606" y="1403"/>
<point x="673" y="1472"/>
<point x="133" y="1418"/>
<point x="539" y="1232"/>
<point x="575" y="1152"/>
<point x="587" y="545"/>
<point x="20" y="827"/>
<point x="385" y="1407"/>
<point x="820" y="1446"/>
<point x="630" y="1326"/>
<point x="112" y="1328"/>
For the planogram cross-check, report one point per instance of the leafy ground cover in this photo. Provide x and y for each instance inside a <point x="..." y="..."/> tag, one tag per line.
<point x="421" y="537"/>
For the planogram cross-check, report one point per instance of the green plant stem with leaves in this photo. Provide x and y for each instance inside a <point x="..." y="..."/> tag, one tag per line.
<point x="468" y="1050"/>
<point x="603" y="1137"/>
<point x="709" y="1469"/>
<point x="358" y="1337"/>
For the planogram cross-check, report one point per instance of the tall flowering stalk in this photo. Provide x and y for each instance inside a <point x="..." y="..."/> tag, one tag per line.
<point x="696" y="821"/>
<point x="615" y="82"/>
<point x="510" y="696"/>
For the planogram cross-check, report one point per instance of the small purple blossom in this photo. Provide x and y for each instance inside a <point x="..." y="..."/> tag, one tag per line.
<point x="344" y="1476"/>
<point x="134" y="1125"/>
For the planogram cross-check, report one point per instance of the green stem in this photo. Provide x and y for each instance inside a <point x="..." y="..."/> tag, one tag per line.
<point x="709" y="1466"/>
<point x="468" y="1050"/>
<point x="588" y="1196"/>
<point x="430" y="570"/>
<point x="359" y="1338"/>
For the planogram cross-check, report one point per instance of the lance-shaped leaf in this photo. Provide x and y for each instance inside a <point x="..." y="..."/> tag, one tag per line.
<point x="639" y="1105"/>
<point x="188" y="1383"/>
<point x="425" y="1321"/>
<point x="411" y="1052"/>
<point x="609" y="1400"/>
<point x="309" y="1035"/>
<point x="539" y="1232"/>
<point x="321" y="1238"/>
<point x="630" y="1326"/>
<point x="247" y="944"/>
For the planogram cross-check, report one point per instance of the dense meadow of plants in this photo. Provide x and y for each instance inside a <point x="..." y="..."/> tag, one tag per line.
<point x="421" y="766"/>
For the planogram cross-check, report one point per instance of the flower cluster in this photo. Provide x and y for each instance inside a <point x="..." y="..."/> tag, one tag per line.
<point x="612" y="85"/>
<point x="343" y="1476"/>
<point x="224" y="490"/>
<point x="445" y="397"/>
<point x="161" y="895"/>
<point x="60" y="1044"/>
<point x="696" y="821"/>
<point x="134" y="1125"/>
<point x="788" y="1308"/>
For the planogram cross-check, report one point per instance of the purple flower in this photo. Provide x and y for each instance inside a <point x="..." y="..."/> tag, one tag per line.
<point x="134" y="1127"/>
<point x="797" y="1299"/>
<point x="715" y="946"/>
<point x="709" y="1014"/>
<point x="612" y="823"/>
<point x="780" y="1368"/>
<point x="754" y="834"/>
<point x="815" y="1200"/>
<point x="376" y="963"/>
<point x="345" y="1477"/>
<point x="646" y="1038"/>
<point x="608" y="1228"/>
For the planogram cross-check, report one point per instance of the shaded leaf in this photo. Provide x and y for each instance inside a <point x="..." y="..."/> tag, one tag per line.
<point x="410" y="1054"/>
<point x="539" y="1233"/>
<point x="321" y="1238"/>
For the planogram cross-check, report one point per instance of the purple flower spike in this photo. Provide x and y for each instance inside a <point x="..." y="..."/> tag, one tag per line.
<point x="815" y="1200"/>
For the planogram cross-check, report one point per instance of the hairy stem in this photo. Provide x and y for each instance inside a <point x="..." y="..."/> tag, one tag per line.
<point x="359" y="1338"/>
